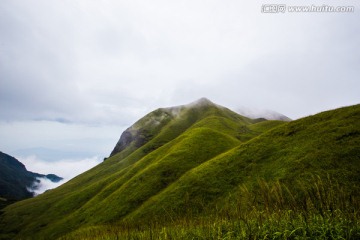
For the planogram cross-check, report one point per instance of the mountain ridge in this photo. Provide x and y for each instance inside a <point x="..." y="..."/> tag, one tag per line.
<point x="192" y="163"/>
<point x="136" y="134"/>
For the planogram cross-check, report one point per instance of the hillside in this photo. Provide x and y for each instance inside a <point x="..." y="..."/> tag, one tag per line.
<point x="324" y="145"/>
<point x="193" y="160"/>
<point x="16" y="181"/>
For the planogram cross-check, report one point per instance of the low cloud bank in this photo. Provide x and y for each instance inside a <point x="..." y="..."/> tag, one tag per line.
<point x="42" y="184"/>
<point x="65" y="168"/>
<point x="261" y="113"/>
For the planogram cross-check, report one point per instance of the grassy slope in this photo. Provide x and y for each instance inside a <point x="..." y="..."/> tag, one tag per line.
<point x="327" y="144"/>
<point x="300" y="180"/>
<point x="194" y="167"/>
<point x="125" y="181"/>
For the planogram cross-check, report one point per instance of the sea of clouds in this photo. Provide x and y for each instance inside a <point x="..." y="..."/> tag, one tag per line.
<point x="65" y="168"/>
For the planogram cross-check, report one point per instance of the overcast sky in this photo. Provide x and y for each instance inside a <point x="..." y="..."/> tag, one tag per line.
<point x="75" y="73"/>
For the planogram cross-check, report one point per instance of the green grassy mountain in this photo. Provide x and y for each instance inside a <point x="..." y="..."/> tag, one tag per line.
<point x="16" y="181"/>
<point x="194" y="161"/>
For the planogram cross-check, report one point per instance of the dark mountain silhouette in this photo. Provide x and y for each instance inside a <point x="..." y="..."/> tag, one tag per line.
<point x="16" y="181"/>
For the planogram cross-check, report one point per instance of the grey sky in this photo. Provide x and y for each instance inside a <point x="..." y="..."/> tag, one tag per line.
<point x="76" y="73"/>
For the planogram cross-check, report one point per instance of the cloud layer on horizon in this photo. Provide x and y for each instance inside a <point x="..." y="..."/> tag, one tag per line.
<point x="65" y="168"/>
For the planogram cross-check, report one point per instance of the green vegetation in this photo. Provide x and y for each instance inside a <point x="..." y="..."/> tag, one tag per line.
<point x="205" y="172"/>
<point x="324" y="212"/>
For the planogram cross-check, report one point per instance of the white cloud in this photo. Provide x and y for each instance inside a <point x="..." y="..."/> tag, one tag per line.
<point x="96" y="61"/>
<point x="67" y="168"/>
<point x="43" y="184"/>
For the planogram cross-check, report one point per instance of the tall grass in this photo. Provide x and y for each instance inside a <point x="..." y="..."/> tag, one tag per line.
<point x="318" y="209"/>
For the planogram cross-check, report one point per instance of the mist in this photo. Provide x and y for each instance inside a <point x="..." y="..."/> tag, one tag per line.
<point x="65" y="168"/>
<point x="42" y="184"/>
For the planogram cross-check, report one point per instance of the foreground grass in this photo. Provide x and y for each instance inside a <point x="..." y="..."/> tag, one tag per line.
<point x="272" y="211"/>
<point x="257" y="225"/>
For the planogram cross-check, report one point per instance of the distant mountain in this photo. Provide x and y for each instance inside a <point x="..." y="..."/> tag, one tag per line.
<point x="187" y="161"/>
<point x="254" y="113"/>
<point x="16" y="182"/>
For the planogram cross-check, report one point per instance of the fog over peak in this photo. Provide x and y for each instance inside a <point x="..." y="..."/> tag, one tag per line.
<point x="175" y="110"/>
<point x="261" y="113"/>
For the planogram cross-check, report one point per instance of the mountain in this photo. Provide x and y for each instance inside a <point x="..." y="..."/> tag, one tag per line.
<point x="150" y="126"/>
<point x="16" y="183"/>
<point x="191" y="161"/>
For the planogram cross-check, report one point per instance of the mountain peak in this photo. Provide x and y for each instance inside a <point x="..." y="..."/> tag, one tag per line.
<point x="198" y="103"/>
<point x="144" y="129"/>
<point x="202" y="101"/>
